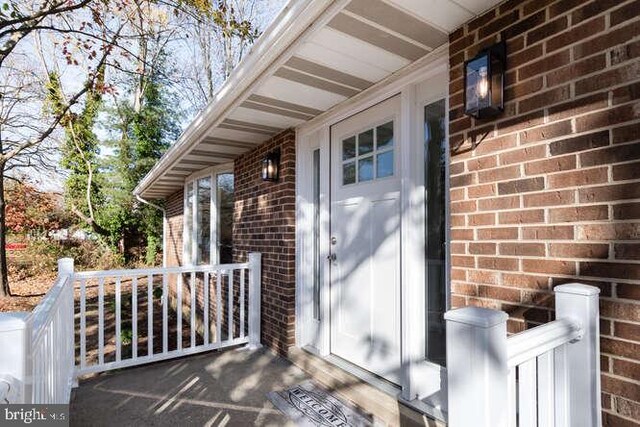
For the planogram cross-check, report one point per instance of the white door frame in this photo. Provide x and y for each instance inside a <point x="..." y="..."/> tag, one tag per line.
<point x="418" y="377"/>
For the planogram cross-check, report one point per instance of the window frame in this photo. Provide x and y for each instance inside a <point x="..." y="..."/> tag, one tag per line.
<point x="189" y="237"/>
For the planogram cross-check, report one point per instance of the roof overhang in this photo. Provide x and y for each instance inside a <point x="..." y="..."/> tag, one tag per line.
<point x="314" y="56"/>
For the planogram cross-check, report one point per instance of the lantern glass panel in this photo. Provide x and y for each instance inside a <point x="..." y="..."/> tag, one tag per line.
<point x="478" y="89"/>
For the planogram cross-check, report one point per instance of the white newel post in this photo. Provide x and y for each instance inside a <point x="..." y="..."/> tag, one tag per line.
<point x="255" y="283"/>
<point x="577" y="364"/>
<point x="477" y="367"/>
<point x="15" y="336"/>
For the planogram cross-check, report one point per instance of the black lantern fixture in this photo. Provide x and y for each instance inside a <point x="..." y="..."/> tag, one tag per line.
<point x="484" y="82"/>
<point x="271" y="166"/>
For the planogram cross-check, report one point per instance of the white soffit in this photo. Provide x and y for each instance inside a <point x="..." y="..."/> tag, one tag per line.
<point x="314" y="56"/>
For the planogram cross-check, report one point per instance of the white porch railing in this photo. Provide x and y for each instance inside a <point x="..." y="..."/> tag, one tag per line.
<point x="545" y="376"/>
<point x="122" y="310"/>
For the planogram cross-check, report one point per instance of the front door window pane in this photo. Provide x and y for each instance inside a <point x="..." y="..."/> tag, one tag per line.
<point x="365" y="169"/>
<point x="365" y="142"/>
<point x="435" y="162"/>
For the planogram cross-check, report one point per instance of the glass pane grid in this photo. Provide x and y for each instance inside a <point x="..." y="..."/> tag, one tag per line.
<point x="368" y="155"/>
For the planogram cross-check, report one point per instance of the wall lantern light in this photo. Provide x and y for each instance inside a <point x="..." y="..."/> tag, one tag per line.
<point x="271" y="166"/>
<point x="484" y="82"/>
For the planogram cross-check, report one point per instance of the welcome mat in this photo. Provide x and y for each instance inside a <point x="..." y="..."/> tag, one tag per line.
<point x="310" y="405"/>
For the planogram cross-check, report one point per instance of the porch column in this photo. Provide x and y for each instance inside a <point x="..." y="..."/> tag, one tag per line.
<point x="255" y="298"/>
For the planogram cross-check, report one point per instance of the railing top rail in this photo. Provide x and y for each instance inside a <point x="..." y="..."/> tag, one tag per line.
<point x="534" y="342"/>
<point x="138" y="272"/>
<point x="44" y="310"/>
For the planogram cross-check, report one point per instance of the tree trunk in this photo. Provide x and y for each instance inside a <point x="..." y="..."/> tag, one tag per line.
<point x="4" y="276"/>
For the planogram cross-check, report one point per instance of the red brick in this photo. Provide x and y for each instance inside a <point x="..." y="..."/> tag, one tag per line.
<point x="525" y="281"/>
<point x="625" y="368"/>
<point x="462" y="180"/>
<point x="607" y="117"/>
<point x="482" y="248"/>
<point x="592" y="9"/>
<point x="628" y="331"/>
<point x="608" y="78"/>
<point x="626" y="171"/>
<point x="490" y="145"/>
<point x="578" y="178"/>
<point x="621" y="310"/>
<point x="499" y="174"/>
<point x="549" y="198"/>
<point x="542" y="133"/>
<point x="607" y="40"/>
<point x="555" y="232"/>
<point x="462" y="261"/>
<point x="614" y="154"/>
<point x="519" y="123"/>
<point x="521" y="217"/>
<point x="544" y="99"/>
<point x="626" y="211"/>
<point x="465" y="234"/>
<point x="484" y="190"/>
<point x="548" y="63"/>
<point x="579" y="143"/>
<point x="521" y="186"/>
<point x="482" y="163"/>
<point x="549" y="266"/>
<point x="483" y="277"/>
<point x="620" y="387"/>
<point x="498" y="24"/>
<point x="547" y="30"/>
<point x="482" y="219"/>
<point x="576" y="69"/>
<point x="628" y="291"/>
<point x="626" y="93"/>
<point x="499" y="203"/>
<point x="579" y="250"/>
<point x="554" y="164"/>
<point x="579" y="213"/>
<point x="575" y="34"/>
<point x="523" y="154"/>
<point x="524" y="249"/>
<point x="504" y="233"/>
<point x="586" y="104"/>
<point x="498" y="293"/>
<point x="610" y="270"/>
<point x="463" y="207"/>
<point x="627" y="251"/>
<point x="502" y="264"/>
<point x="609" y="193"/>
<point x="624" y="53"/>
<point x="626" y="12"/>
<point x="616" y="231"/>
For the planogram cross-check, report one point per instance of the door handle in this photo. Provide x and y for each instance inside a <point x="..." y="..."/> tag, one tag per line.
<point x="331" y="257"/>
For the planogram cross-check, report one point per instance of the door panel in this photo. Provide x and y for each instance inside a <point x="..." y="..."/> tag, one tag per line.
<point x="365" y="223"/>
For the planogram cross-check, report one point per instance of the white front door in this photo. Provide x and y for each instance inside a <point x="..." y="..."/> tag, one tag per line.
<point x="365" y="240"/>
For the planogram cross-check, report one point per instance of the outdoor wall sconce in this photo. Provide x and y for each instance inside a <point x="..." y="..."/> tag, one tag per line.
<point x="484" y="82"/>
<point x="271" y="166"/>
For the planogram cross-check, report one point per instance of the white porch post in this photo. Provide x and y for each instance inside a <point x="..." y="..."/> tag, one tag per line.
<point x="477" y="367"/>
<point x="577" y="364"/>
<point x="255" y="283"/>
<point x="15" y="336"/>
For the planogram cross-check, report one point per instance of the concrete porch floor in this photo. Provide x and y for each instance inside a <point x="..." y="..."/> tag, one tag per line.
<point x="212" y="389"/>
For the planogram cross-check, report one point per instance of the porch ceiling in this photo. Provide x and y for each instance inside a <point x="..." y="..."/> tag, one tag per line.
<point x="313" y="57"/>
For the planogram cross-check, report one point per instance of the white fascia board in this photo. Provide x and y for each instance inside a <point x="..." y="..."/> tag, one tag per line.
<point x="266" y="54"/>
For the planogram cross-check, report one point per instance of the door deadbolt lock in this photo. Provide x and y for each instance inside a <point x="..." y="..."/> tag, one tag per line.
<point x="334" y="240"/>
<point x="331" y="257"/>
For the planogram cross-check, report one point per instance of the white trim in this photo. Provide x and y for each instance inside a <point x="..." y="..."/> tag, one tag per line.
<point x="211" y="173"/>
<point x="404" y="82"/>
<point x="297" y="22"/>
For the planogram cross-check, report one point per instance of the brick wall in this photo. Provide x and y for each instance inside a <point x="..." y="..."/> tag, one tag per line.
<point x="264" y="221"/>
<point x="549" y="192"/>
<point x="175" y="211"/>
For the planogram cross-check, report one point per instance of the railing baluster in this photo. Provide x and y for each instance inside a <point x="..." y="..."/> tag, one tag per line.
<point x="546" y="396"/>
<point x="179" y="312"/>
<point x="150" y="315"/>
<point x="527" y="412"/>
<point x="193" y="289"/>
<point x="218" y="306"/>
<point x="134" y="318"/>
<point x="101" y="321"/>
<point x="206" y="308"/>
<point x="165" y="307"/>
<point x="230" y="308"/>
<point x="241" y="302"/>
<point x="83" y="323"/>
<point x="118" y="319"/>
